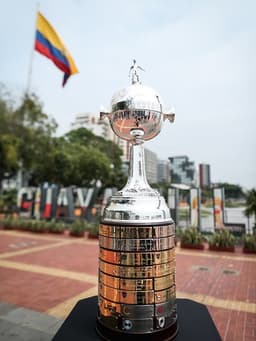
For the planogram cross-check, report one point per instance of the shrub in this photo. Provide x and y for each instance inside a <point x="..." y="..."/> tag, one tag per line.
<point x="223" y="239"/>
<point x="8" y="201"/>
<point x="77" y="228"/>
<point x="22" y="224"/>
<point x="250" y="242"/>
<point x="191" y="236"/>
<point x="93" y="230"/>
<point x="37" y="226"/>
<point x="55" y="227"/>
<point x="33" y="225"/>
<point x="7" y="223"/>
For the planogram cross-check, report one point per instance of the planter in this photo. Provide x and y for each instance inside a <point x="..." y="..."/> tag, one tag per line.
<point x="26" y="229"/>
<point x="76" y="234"/>
<point x="191" y="246"/>
<point x="222" y="248"/>
<point x="7" y="227"/>
<point x="93" y="236"/>
<point x="245" y="250"/>
<point x="56" y="232"/>
<point x="38" y="231"/>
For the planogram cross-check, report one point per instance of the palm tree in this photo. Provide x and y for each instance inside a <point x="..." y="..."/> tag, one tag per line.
<point x="250" y="204"/>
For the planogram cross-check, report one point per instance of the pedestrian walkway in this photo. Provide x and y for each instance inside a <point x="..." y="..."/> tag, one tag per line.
<point x="17" y="323"/>
<point x="44" y="275"/>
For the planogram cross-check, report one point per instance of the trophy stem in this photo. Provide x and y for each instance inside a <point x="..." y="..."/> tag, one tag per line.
<point x="137" y="179"/>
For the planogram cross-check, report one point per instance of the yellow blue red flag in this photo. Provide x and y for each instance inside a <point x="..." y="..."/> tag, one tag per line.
<point x="49" y="44"/>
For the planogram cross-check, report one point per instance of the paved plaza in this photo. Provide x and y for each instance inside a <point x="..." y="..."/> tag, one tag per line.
<point x="42" y="276"/>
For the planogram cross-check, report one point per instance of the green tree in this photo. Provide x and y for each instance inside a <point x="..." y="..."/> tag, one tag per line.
<point x="108" y="155"/>
<point x="34" y="129"/>
<point x="82" y="164"/>
<point x="250" y="203"/>
<point x="87" y="138"/>
<point x="232" y="191"/>
<point x="25" y="134"/>
<point x="77" y="158"/>
<point x="8" y="141"/>
<point x="8" y="156"/>
<point x="74" y="160"/>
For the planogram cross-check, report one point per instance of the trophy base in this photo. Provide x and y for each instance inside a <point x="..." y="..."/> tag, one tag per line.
<point x="166" y="334"/>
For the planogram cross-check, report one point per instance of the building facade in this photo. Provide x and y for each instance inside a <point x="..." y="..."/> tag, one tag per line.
<point x="183" y="171"/>
<point x="163" y="171"/>
<point x="204" y="175"/>
<point x="93" y="123"/>
<point x="151" y="166"/>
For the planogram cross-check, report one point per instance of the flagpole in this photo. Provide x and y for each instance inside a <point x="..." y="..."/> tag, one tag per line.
<point x="30" y="68"/>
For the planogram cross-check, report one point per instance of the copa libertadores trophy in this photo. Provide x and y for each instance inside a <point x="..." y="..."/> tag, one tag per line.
<point x="136" y="235"/>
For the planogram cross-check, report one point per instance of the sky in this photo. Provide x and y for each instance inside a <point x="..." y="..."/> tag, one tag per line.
<point x="200" y="56"/>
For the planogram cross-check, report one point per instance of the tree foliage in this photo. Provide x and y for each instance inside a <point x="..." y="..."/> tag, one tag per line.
<point x="9" y="141"/>
<point x="25" y="134"/>
<point x="96" y="158"/>
<point x="27" y="142"/>
<point x="34" y="129"/>
<point x="232" y="191"/>
<point x="87" y="138"/>
<point x="250" y="203"/>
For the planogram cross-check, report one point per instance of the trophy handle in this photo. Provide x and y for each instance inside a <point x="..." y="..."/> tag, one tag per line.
<point x="170" y="115"/>
<point x="104" y="114"/>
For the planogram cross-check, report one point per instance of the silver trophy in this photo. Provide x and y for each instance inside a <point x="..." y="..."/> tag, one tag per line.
<point x="136" y="236"/>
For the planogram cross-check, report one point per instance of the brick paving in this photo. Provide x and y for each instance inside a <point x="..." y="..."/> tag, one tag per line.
<point x="50" y="273"/>
<point x="226" y="283"/>
<point x="80" y="257"/>
<point x="9" y="243"/>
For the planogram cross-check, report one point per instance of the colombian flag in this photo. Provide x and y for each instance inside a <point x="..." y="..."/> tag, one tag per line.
<point x="49" y="44"/>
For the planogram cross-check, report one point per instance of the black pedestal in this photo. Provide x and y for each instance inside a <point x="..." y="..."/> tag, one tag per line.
<point x="195" y="322"/>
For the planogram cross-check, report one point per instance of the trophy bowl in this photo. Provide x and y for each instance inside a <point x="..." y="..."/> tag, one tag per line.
<point x="137" y="110"/>
<point x="136" y="107"/>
